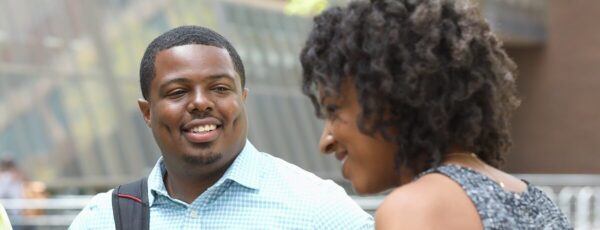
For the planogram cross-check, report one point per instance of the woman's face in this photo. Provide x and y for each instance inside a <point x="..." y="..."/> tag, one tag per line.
<point x="367" y="161"/>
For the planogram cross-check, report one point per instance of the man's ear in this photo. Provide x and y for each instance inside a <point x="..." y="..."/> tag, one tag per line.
<point x="145" y="109"/>
<point x="244" y="94"/>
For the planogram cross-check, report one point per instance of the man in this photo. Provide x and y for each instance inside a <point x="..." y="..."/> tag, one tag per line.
<point x="4" y="221"/>
<point x="210" y="176"/>
<point x="11" y="179"/>
<point x="12" y="185"/>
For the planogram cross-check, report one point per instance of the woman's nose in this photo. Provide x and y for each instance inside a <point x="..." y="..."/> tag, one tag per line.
<point x="327" y="141"/>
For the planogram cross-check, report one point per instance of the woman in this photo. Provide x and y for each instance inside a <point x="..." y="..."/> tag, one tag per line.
<point x="417" y="97"/>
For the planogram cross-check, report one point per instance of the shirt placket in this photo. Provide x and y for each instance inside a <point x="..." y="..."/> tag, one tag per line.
<point x="198" y="208"/>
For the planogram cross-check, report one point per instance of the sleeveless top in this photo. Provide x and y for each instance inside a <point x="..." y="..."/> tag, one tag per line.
<point x="500" y="209"/>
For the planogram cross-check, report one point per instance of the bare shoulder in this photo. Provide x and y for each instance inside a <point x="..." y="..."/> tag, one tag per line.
<point x="408" y="207"/>
<point x="432" y="197"/>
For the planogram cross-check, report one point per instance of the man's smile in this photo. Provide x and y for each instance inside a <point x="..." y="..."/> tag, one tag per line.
<point x="202" y="130"/>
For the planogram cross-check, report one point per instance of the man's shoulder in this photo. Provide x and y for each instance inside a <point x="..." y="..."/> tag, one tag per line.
<point x="328" y="203"/>
<point x="295" y="176"/>
<point x="97" y="213"/>
<point x="300" y="185"/>
<point x="100" y="201"/>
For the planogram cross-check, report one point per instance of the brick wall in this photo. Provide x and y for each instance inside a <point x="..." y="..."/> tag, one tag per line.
<point x="557" y="128"/>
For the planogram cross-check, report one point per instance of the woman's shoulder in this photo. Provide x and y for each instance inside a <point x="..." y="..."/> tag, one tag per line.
<point x="431" y="197"/>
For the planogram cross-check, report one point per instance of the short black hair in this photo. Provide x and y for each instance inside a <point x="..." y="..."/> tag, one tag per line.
<point x="7" y="163"/>
<point x="429" y="75"/>
<point x="185" y="35"/>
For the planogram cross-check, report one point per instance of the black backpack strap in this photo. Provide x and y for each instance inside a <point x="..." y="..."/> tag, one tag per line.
<point x="130" y="206"/>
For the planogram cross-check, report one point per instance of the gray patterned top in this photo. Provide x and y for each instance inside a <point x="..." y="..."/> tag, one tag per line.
<point x="500" y="209"/>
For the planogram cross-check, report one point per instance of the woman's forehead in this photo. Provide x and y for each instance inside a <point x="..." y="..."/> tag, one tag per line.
<point x="334" y="92"/>
<point x="327" y="92"/>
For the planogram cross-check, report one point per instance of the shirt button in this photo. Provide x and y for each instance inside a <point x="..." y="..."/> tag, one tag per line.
<point x="194" y="214"/>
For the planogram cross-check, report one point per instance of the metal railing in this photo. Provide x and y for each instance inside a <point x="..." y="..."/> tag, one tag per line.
<point x="49" y="213"/>
<point x="578" y="196"/>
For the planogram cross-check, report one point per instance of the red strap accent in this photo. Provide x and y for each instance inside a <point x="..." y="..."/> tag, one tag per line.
<point x="130" y="197"/>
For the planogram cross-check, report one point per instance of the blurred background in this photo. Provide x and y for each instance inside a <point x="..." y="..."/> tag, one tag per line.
<point x="70" y="126"/>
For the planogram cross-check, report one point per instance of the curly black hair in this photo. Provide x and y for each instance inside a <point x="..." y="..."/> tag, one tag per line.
<point x="429" y="75"/>
<point x="185" y="35"/>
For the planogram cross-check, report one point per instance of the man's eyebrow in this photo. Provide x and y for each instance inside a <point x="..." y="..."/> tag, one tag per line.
<point x="185" y="80"/>
<point x="172" y="81"/>
<point x="221" y="76"/>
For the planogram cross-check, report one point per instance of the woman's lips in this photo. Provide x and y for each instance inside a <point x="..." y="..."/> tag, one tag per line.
<point x="341" y="155"/>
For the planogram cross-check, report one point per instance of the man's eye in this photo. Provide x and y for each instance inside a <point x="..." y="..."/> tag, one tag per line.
<point x="221" y="89"/>
<point x="176" y="93"/>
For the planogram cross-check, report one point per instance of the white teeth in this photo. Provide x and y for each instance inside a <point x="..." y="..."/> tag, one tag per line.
<point x="204" y="128"/>
<point x="344" y="160"/>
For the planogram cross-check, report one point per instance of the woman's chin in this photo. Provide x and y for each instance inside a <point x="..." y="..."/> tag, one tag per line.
<point x="366" y="189"/>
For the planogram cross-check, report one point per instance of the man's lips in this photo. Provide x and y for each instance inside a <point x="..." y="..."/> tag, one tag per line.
<point x="202" y="137"/>
<point x="202" y="130"/>
<point x="201" y="122"/>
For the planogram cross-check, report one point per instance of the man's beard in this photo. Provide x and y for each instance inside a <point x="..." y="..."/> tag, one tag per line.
<point x="202" y="160"/>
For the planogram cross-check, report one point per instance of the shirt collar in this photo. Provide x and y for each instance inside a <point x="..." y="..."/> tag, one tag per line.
<point x="245" y="170"/>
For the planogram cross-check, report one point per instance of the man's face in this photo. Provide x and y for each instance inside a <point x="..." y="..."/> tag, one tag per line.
<point x="196" y="108"/>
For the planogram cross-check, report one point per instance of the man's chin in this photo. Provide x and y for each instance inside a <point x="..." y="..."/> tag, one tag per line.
<point x="205" y="159"/>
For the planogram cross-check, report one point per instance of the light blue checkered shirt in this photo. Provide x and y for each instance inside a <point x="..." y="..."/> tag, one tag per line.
<point x="258" y="191"/>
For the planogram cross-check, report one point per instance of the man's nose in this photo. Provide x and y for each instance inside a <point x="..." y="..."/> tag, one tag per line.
<point x="200" y="102"/>
<point x="327" y="141"/>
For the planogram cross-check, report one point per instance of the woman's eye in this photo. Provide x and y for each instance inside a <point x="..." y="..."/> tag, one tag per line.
<point x="331" y="110"/>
